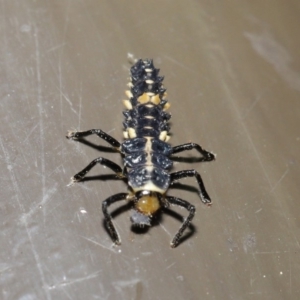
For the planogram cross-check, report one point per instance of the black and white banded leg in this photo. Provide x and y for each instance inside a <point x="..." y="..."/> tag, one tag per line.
<point x="108" y="219"/>
<point x="207" y="156"/>
<point x="192" y="173"/>
<point x="101" y="134"/>
<point x="190" y="208"/>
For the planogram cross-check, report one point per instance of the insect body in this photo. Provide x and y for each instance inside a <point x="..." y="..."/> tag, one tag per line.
<point x="146" y="153"/>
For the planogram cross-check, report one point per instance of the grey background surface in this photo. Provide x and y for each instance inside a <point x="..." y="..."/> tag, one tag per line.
<point x="232" y="70"/>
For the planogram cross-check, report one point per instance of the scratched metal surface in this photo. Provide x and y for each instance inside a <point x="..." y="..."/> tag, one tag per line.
<point x="232" y="73"/>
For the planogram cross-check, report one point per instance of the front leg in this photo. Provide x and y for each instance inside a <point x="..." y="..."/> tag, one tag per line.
<point x="192" y="173"/>
<point x="102" y="161"/>
<point x="79" y="134"/>
<point x="207" y="156"/>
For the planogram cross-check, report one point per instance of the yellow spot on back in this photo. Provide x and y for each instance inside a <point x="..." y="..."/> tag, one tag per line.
<point x="143" y="98"/>
<point x="155" y="99"/>
<point x="149" y="97"/>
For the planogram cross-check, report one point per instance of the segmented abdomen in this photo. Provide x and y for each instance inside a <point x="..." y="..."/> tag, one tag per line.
<point x="146" y="130"/>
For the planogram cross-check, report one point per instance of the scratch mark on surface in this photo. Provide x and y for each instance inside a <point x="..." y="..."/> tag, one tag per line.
<point x="164" y="228"/>
<point x="69" y="101"/>
<point x="40" y="109"/>
<point x="66" y="283"/>
<point x="79" y="113"/>
<point x="252" y="280"/>
<point x="56" y="47"/>
<point x="257" y="155"/>
<point x="61" y="55"/>
<point x="111" y="130"/>
<point x="30" y="132"/>
<point x="256" y="264"/>
<point x="60" y="85"/>
<point x="179" y="64"/>
<point x="80" y="105"/>
<point x="21" y="207"/>
<point x="45" y="199"/>
<point x="5" y="268"/>
<point x="290" y="272"/>
<point x="258" y="98"/>
<point x="53" y="208"/>
<point x="121" y="284"/>
<point x="248" y="135"/>
<point x="146" y="20"/>
<point x="280" y="179"/>
<point x="94" y="275"/>
<point x="270" y="252"/>
<point x="98" y="244"/>
<point x="275" y="54"/>
<point x="41" y="123"/>
<point x="60" y="168"/>
<point x="171" y="265"/>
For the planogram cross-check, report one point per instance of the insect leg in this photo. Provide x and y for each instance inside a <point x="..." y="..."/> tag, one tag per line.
<point x="185" y="224"/>
<point x="79" y="134"/>
<point x="207" y="156"/>
<point x="110" y="226"/>
<point x="102" y="161"/>
<point x="192" y="173"/>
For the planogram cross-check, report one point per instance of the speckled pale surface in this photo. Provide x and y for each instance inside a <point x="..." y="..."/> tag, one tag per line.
<point x="233" y="77"/>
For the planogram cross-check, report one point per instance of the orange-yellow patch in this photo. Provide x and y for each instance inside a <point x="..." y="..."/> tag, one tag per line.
<point x="148" y="205"/>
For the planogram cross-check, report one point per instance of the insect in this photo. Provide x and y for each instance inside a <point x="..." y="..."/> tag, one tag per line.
<point x="146" y="153"/>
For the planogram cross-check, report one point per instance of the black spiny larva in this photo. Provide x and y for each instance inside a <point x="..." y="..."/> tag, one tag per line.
<point x="146" y="153"/>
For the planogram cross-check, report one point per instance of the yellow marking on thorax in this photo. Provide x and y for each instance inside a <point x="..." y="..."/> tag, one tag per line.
<point x="149" y="186"/>
<point x="148" y="143"/>
<point x="148" y="150"/>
